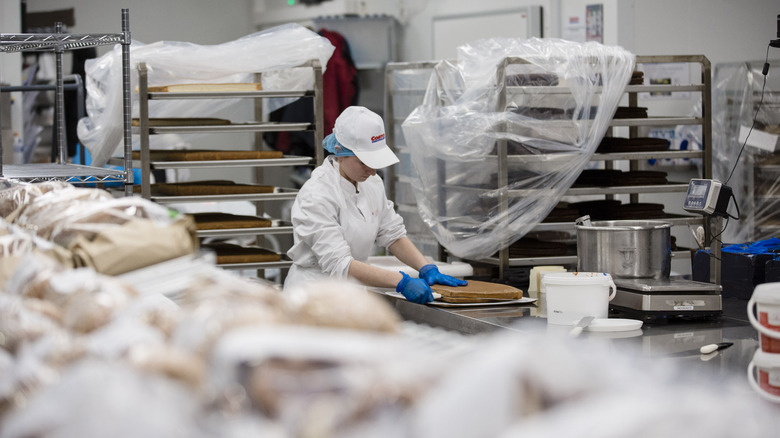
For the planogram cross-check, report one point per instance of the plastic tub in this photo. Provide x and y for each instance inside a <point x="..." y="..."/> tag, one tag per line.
<point x="767" y="380"/>
<point x="766" y="300"/>
<point x="573" y="295"/>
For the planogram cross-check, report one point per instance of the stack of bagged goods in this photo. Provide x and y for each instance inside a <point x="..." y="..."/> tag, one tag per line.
<point x="228" y="356"/>
<point x="232" y="357"/>
<point x="17" y="244"/>
<point x="110" y="235"/>
<point x="328" y="356"/>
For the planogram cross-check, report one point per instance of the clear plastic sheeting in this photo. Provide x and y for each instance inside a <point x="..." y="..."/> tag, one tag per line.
<point x="546" y="103"/>
<point x="274" y="52"/>
<point x="753" y="174"/>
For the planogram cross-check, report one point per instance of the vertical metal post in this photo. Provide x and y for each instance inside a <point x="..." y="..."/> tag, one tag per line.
<point x="715" y="230"/>
<point x="706" y="130"/>
<point x="59" y="103"/>
<point x="503" y="171"/>
<point x="319" y="119"/>
<point x="390" y="132"/>
<point x="1" y="142"/>
<point x="143" y="118"/>
<point x="127" y="103"/>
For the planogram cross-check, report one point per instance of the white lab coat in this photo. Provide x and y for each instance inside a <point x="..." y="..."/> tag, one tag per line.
<point x="333" y="224"/>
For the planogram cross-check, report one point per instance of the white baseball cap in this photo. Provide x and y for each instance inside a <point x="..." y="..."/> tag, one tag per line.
<point x="363" y="132"/>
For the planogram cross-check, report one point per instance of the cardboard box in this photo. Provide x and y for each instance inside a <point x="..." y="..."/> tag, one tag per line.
<point x="772" y="271"/>
<point x="740" y="273"/>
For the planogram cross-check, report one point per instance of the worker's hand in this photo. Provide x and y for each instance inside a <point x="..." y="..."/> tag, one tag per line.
<point x="414" y="289"/>
<point x="431" y="274"/>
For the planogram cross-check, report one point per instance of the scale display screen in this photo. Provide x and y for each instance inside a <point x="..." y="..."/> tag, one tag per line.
<point x="702" y="196"/>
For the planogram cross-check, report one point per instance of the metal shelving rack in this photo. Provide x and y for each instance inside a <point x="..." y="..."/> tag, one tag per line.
<point x="401" y="97"/>
<point x="58" y="43"/>
<point x="145" y="130"/>
<point x="755" y="182"/>
<point x="504" y="160"/>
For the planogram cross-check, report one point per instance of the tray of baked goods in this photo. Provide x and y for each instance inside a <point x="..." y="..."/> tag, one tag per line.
<point x="564" y="214"/>
<point x="209" y="158"/>
<point x="216" y="191"/>
<point x="219" y="91"/>
<point x="217" y="224"/>
<point x="614" y="181"/>
<point x="234" y="256"/>
<point x="181" y="125"/>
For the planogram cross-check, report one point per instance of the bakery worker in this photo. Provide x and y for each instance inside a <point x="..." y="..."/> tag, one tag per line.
<point x="342" y="211"/>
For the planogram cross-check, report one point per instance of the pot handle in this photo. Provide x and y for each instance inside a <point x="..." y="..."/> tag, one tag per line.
<point x="757" y="325"/>
<point x="614" y="290"/>
<point x="583" y="220"/>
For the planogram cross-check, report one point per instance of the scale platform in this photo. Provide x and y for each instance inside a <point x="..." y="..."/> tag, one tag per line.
<point x="667" y="298"/>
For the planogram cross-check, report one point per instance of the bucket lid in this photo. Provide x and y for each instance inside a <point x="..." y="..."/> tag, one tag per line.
<point x="568" y="278"/>
<point x="765" y="360"/>
<point x="768" y="293"/>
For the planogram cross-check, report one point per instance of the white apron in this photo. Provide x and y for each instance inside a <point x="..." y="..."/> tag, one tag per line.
<point x="352" y="223"/>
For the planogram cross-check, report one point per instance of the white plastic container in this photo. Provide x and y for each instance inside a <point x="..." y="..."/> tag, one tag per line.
<point x="573" y="295"/>
<point x="766" y="300"/>
<point x="767" y="380"/>
<point x="534" y="278"/>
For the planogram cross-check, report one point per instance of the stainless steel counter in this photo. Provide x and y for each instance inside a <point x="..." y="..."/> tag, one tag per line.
<point x="666" y="339"/>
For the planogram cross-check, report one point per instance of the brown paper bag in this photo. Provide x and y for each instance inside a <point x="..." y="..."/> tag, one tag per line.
<point x="135" y="244"/>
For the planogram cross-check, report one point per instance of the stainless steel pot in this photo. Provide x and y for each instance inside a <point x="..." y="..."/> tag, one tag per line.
<point x="625" y="248"/>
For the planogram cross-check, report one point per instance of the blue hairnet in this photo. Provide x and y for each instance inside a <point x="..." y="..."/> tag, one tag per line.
<point x="334" y="147"/>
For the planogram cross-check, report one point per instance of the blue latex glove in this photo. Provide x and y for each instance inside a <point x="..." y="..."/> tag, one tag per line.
<point x="431" y="274"/>
<point x="414" y="289"/>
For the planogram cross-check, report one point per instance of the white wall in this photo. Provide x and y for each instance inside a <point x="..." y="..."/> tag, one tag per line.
<point x="416" y="37"/>
<point x="196" y="21"/>
<point x="722" y="30"/>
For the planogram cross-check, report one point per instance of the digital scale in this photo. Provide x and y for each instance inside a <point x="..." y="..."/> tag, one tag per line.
<point x="707" y="196"/>
<point x="666" y="298"/>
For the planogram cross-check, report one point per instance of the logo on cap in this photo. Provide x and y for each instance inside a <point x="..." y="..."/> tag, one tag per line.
<point x="377" y="138"/>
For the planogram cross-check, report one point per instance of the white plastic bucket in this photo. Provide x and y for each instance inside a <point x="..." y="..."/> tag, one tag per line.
<point x="767" y="381"/>
<point x="573" y="295"/>
<point x="766" y="300"/>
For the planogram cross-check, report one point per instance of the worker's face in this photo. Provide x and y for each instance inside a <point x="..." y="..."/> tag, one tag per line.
<point x="354" y="170"/>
